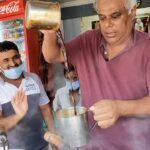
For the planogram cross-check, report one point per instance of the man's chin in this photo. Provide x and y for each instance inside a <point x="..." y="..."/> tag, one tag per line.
<point x="74" y="90"/>
<point x="111" y="41"/>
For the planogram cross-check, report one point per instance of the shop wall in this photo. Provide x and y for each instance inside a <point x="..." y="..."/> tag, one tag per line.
<point x="88" y="10"/>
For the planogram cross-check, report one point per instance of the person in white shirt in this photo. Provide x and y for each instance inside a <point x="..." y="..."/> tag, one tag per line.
<point x="139" y="25"/>
<point x="63" y="97"/>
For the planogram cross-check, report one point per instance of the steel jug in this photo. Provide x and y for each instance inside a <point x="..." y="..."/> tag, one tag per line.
<point x="74" y="128"/>
<point x="42" y="15"/>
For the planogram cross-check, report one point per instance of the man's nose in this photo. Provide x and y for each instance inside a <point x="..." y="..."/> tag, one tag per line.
<point x="108" y="22"/>
<point x="71" y="80"/>
<point x="12" y="63"/>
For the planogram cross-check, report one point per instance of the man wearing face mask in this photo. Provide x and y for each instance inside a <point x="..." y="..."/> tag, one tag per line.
<point x="63" y="98"/>
<point x="24" y="127"/>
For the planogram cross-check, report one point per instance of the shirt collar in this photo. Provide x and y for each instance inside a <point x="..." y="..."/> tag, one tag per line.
<point x="26" y="75"/>
<point x="1" y="81"/>
<point x="130" y="44"/>
<point x="102" y="43"/>
<point x="135" y="38"/>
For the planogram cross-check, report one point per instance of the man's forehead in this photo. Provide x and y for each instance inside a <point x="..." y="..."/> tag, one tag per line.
<point x="72" y="73"/>
<point x="114" y="2"/>
<point x="9" y="53"/>
<point x="110" y="6"/>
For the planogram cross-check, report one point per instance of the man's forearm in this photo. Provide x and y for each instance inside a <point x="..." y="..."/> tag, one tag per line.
<point x="9" y="122"/>
<point x="139" y="108"/>
<point x="50" y="47"/>
<point x="48" y="117"/>
<point x="49" y="123"/>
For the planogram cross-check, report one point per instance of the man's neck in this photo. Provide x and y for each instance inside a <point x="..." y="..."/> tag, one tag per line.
<point x="74" y="92"/>
<point x="115" y="49"/>
<point x="15" y="82"/>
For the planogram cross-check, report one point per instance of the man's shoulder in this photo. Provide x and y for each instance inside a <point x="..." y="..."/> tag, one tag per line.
<point x="142" y="36"/>
<point x="31" y="75"/>
<point x="142" y="43"/>
<point x="1" y="82"/>
<point x="91" y="33"/>
<point x="62" y="90"/>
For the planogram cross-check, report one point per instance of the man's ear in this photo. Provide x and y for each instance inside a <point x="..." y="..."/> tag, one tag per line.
<point x="133" y="12"/>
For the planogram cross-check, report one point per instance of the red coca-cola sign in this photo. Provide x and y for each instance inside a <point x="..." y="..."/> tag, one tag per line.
<point x="11" y="7"/>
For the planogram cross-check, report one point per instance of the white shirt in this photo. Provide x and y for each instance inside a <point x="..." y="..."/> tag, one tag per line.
<point x="62" y="99"/>
<point x="31" y="84"/>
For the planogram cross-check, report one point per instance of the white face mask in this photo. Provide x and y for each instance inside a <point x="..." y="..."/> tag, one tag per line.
<point x="13" y="73"/>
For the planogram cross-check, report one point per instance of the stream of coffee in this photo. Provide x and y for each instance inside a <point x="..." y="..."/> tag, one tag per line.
<point x="59" y="34"/>
<point x="74" y="103"/>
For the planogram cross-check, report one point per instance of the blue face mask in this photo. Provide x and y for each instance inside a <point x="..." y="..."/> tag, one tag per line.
<point x="13" y="73"/>
<point x="74" y="86"/>
<point x="68" y="85"/>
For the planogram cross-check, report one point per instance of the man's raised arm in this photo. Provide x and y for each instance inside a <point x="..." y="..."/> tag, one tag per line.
<point x="51" y="48"/>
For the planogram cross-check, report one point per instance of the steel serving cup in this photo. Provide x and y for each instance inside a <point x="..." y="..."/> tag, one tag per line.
<point x="42" y="15"/>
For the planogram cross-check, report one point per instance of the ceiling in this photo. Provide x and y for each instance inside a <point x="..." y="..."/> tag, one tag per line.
<point x="67" y="3"/>
<point x="64" y="1"/>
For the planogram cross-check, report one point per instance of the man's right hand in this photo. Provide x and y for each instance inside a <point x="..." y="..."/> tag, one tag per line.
<point x="48" y="31"/>
<point x="20" y="104"/>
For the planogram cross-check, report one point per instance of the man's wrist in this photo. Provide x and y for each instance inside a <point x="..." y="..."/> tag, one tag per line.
<point x="126" y="107"/>
<point x="18" y="117"/>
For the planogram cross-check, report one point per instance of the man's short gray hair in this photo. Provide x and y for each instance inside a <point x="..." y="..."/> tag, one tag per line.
<point x="129" y="4"/>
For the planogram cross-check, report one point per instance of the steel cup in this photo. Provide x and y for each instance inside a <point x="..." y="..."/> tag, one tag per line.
<point x="42" y="15"/>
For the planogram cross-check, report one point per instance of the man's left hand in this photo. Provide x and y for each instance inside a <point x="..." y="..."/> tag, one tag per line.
<point x="106" y="112"/>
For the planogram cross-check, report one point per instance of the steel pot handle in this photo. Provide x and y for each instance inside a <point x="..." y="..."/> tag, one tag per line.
<point x="93" y="125"/>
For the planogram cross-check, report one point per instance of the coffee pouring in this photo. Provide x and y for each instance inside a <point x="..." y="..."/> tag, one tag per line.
<point x="46" y="16"/>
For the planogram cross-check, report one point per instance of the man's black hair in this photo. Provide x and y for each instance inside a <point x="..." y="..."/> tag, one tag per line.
<point x="8" y="45"/>
<point x="71" y="68"/>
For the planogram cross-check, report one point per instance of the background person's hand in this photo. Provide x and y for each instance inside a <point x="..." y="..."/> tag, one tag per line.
<point x="53" y="139"/>
<point x="106" y="112"/>
<point x="20" y="104"/>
